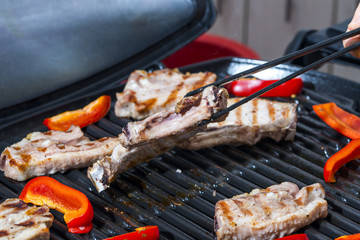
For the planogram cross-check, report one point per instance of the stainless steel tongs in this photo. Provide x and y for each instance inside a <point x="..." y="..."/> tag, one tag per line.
<point x="286" y="58"/>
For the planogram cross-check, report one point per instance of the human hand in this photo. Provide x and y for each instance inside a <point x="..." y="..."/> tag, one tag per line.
<point x="355" y="23"/>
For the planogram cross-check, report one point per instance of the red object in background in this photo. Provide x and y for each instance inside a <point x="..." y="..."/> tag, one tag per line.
<point x="247" y="86"/>
<point x="208" y="47"/>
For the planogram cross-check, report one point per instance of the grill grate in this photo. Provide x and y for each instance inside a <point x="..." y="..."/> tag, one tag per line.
<point x="177" y="191"/>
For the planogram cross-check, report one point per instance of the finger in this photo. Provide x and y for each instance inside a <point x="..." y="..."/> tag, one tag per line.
<point x="350" y="41"/>
<point x="355" y="22"/>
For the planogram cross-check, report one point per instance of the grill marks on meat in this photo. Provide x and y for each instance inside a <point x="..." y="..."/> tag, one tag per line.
<point x="143" y="140"/>
<point x="269" y="213"/>
<point x="23" y="222"/>
<point x="53" y="151"/>
<point x="248" y="124"/>
<point x="147" y="93"/>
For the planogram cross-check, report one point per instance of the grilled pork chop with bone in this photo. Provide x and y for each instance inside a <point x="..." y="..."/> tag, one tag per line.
<point x="143" y="140"/>
<point x="248" y="124"/>
<point x="147" y="93"/>
<point x="42" y="153"/>
<point x="19" y="221"/>
<point x="269" y="213"/>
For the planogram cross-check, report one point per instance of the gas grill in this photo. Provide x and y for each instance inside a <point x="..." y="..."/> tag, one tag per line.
<point x="177" y="191"/>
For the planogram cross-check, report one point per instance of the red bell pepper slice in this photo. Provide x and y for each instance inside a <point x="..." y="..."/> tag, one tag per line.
<point x="301" y="236"/>
<point x="349" y="237"/>
<point x="344" y="122"/>
<point x="142" y="233"/>
<point x="350" y="152"/>
<point x="91" y="113"/>
<point x="77" y="209"/>
<point x="247" y="86"/>
<point x="82" y="229"/>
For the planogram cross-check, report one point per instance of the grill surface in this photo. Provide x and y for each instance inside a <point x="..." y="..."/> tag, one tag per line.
<point x="178" y="190"/>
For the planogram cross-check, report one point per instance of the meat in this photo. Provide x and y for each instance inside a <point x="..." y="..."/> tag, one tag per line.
<point x="143" y="140"/>
<point x="269" y="213"/>
<point x="53" y="151"/>
<point x="19" y="221"/>
<point x="147" y="93"/>
<point x="248" y="124"/>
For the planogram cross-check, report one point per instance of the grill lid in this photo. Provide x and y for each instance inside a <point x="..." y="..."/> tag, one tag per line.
<point x="178" y="190"/>
<point x="53" y="44"/>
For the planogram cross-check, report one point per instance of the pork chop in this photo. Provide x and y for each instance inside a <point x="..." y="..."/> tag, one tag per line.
<point x="269" y="213"/>
<point x="41" y="153"/>
<point x="146" y="93"/>
<point x="20" y="221"/>
<point x="143" y="140"/>
<point x="248" y="124"/>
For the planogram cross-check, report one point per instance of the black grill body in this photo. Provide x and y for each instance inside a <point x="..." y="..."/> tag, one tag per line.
<point x="177" y="191"/>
